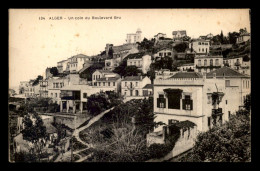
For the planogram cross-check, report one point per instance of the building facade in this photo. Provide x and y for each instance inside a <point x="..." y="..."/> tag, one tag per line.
<point x="243" y="38"/>
<point x="200" y="46"/>
<point x="207" y="63"/>
<point x="177" y="35"/>
<point x="141" y="60"/>
<point x="132" y="87"/>
<point x="134" y="37"/>
<point x="76" y="63"/>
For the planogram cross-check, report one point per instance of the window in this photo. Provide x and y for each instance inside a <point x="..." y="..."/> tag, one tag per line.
<point x="173" y="101"/>
<point x="187" y="103"/>
<point x="54" y="85"/>
<point x="161" y="101"/>
<point x="199" y="43"/>
<point x="227" y="83"/>
<point x="209" y="122"/>
<point x="211" y="62"/>
<point x="229" y="114"/>
<point x="160" y="54"/>
<point x="209" y="99"/>
<point x="56" y="95"/>
<point x="125" y="84"/>
<point x="114" y="83"/>
<point x="60" y="85"/>
<point x="217" y="62"/>
<point x="84" y="95"/>
<point x="99" y="83"/>
<point x="108" y="83"/>
<point x="169" y="54"/>
<point x="199" y="49"/>
<point x="136" y="84"/>
<point x="94" y="77"/>
<point x="202" y="49"/>
<point x="145" y="92"/>
<point x="199" y="62"/>
<point x="136" y="92"/>
<point x="104" y="83"/>
<point x="205" y="62"/>
<point x="226" y="101"/>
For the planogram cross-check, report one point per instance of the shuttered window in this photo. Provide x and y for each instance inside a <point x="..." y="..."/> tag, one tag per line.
<point x="187" y="103"/>
<point x="161" y="101"/>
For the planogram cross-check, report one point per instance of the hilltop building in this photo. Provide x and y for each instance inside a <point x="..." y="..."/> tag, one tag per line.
<point x="134" y="37"/>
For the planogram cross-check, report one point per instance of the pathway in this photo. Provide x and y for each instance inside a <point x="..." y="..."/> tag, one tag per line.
<point x="67" y="155"/>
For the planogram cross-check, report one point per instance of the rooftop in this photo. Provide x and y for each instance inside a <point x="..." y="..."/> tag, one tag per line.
<point x="208" y="56"/>
<point x="148" y="86"/>
<point x="108" y="79"/>
<point x="227" y="72"/>
<point x="79" y="56"/>
<point x="132" y="78"/>
<point x="181" y="31"/>
<point x="187" y="75"/>
<point x="124" y="47"/>
<point x="135" y="55"/>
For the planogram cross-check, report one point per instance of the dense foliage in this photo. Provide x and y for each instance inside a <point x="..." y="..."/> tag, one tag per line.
<point x="54" y="71"/>
<point x="124" y="70"/>
<point x="97" y="103"/>
<point x="36" y="81"/>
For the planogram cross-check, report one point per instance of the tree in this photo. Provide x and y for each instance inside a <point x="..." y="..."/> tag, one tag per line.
<point x="181" y="47"/>
<point x="110" y="52"/>
<point x="34" y="131"/>
<point x="124" y="70"/>
<point x="232" y="37"/>
<point x="36" y="81"/>
<point x="54" y="71"/>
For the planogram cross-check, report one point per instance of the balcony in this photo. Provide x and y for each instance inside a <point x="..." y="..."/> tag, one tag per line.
<point x="217" y="112"/>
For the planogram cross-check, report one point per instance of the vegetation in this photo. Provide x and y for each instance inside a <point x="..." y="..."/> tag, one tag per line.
<point x="34" y="131"/>
<point x="54" y="71"/>
<point x="228" y="143"/>
<point x="147" y="45"/>
<point x="181" y="47"/>
<point x="97" y="103"/>
<point x="124" y="70"/>
<point x="36" y="81"/>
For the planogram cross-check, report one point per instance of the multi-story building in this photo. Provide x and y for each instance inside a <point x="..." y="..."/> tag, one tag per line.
<point x="243" y="38"/>
<point x="186" y="67"/>
<point x="43" y="88"/>
<point x="23" y="86"/>
<point x="62" y="66"/>
<point x="207" y="63"/>
<point x="200" y="46"/>
<point x="205" y="100"/>
<point x="134" y="37"/>
<point x="163" y="53"/>
<point x="132" y="87"/>
<point x="48" y="73"/>
<point x="76" y="62"/>
<point x="207" y="37"/>
<point x="141" y="60"/>
<point x="239" y="63"/>
<point x="177" y="35"/>
<point x="119" y="53"/>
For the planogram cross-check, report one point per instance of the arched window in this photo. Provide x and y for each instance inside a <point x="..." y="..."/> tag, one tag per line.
<point x="205" y="62"/>
<point x="211" y="62"/>
<point x="199" y="62"/>
<point x="136" y="93"/>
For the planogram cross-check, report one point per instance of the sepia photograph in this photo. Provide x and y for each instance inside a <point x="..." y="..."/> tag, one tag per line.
<point x="129" y="85"/>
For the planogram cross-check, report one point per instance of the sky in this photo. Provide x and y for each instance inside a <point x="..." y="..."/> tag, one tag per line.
<point x="36" y="44"/>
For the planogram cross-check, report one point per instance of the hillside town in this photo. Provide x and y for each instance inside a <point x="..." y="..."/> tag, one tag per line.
<point x="145" y="100"/>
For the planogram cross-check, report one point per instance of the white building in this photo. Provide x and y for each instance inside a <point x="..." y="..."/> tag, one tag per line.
<point x="200" y="46"/>
<point x="186" y="67"/>
<point x="191" y="96"/>
<point x="141" y="60"/>
<point x="163" y="53"/>
<point x="62" y="66"/>
<point x="135" y="87"/>
<point x="177" y="35"/>
<point x="239" y="63"/>
<point x="207" y="63"/>
<point x="243" y="38"/>
<point x="76" y="63"/>
<point x="106" y="80"/>
<point x="134" y="37"/>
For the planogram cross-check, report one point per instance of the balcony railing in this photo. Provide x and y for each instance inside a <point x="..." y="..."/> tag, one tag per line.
<point x="217" y="112"/>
